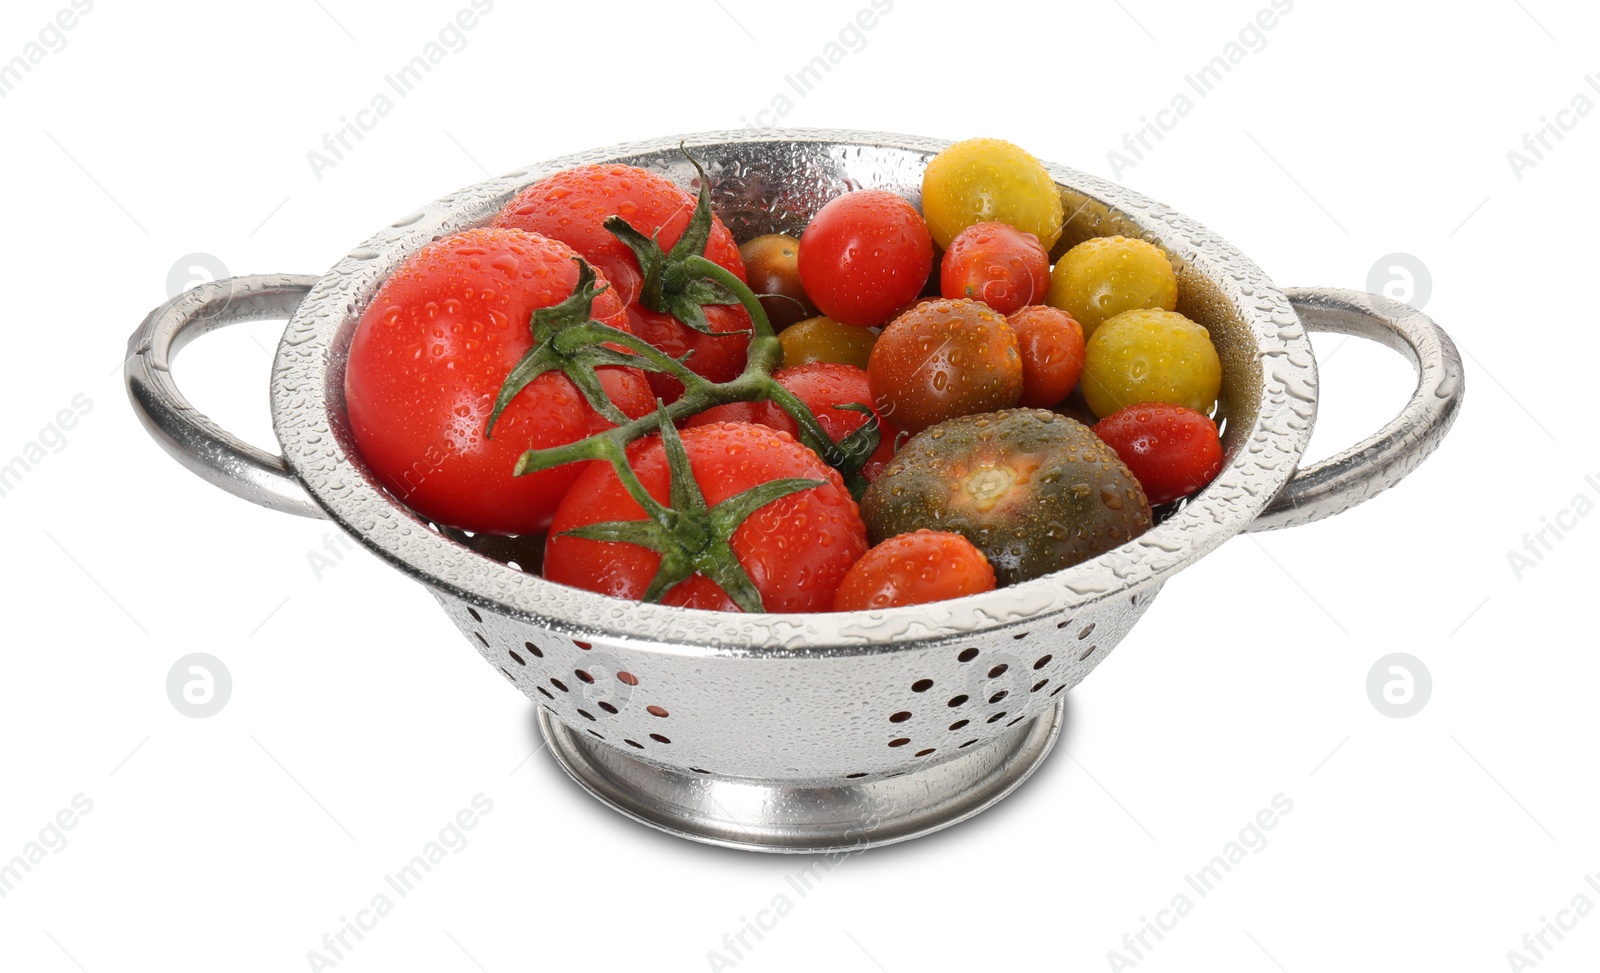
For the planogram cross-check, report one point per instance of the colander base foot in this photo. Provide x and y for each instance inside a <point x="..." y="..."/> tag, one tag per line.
<point x="798" y="818"/>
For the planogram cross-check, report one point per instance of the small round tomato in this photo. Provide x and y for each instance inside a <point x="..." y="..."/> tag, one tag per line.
<point x="772" y="268"/>
<point x="998" y="264"/>
<point x="944" y="359"/>
<point x="824" y="339"/>
<point x="1172" y="451"/>
<point x="1100" y="278"/>
<point x="1150" y="356"/>
<point x="914" y="569"/>
<point x="990" y="180"/>
<point x="795" y="549"/>
<point x="826" y="388"/>
<point x="1051" y="344"/>
<point x="865" y="255"/>
<point x="428" y="358"/>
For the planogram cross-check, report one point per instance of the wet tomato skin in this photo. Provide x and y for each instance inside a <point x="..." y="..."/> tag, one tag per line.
<point x="1051" y="344"/>
<point x="865" y="255"/>
<point x="823" y="339"/>
<point x="795" y="549"/>
<point x="428" y="358"/>
<point x="914" y="569"/>
<point x="1172" y="451"/>
<point x="823" y="387"/>
<point x="772" y="268"/>
<point x="1004" y="267"/>
<point x="942" y="359"/>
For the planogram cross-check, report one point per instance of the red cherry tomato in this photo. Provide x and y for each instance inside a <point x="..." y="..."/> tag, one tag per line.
<point x="1051" y="344"/>
<point x="914" y="569"/>
<point x="865" y="255"/>
<point x="428" y="358"/>
<point x="1172" y="451"/>
<point x="823" y="387"/>
<point x="997" y="264"/>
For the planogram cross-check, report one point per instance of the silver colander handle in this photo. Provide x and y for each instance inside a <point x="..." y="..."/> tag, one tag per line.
<point x="1385" y="458"/>
<point x="213" y="453"/>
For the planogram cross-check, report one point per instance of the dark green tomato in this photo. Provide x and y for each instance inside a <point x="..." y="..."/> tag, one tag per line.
<point x="1033" y="490"/>
<point x="771" y="265"/>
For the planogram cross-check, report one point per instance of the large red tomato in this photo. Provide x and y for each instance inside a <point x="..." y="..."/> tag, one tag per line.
<point x="573" y="206"/>
<point x="795" y="549"/>
<point x="431" y="353"/>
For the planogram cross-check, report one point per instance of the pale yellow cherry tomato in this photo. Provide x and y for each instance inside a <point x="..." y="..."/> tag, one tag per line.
<point x="1151" y="355"/>
<point x="989" y="180"/>
<point x="1100" y="278"/>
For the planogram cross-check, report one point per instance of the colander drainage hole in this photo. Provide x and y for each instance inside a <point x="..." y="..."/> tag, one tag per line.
<point x="998" y="671"/>
<point x="656" y="711"/>
<point x="1086" y="653"/>
<point x="586" y="715"/>
<point x="957" y="700"/>
<point x="545" y="691"/>
<point x="583" y="675"/>
<point x="922" y="685"/>
<point x="635" y="744"/>
<point x="627" y="679"/>
<point x="1057" y="691"/>
<point x="537" y="652"/>
<point x="1017" y="720"/>
<point x="659" y="738"/>
<point x="966" y="745"/>
<point x="1039" y="685"/>
<point x="507" y="674"/>
<point x="854" y="776"/>
<point x="558" y="684"/>
<point x="900" y="717"/>
<point x="1042" y="661"/>
<point x="480" y="638"/>
<point x="958" y="724"/>
<point x="899" y="741"/>
<point x="607" y="707"/>
<point x="997" y="697"/>
<point x="596" y="735"/>
<point x="967" y="655"/>
<point x="515" y="658"/>
<point x="1020" y="636"/>
<point x="474" y="613"/>
<point x="1064" y="624"/>
<point x="699" y="770"/>
<point x="998" y="717"/>
<point x="924" y="753"/>
<point x="1086" y="631"/>
<point x="582" y="645"/>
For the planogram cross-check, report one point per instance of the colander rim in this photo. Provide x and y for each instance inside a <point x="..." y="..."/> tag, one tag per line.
<point x="307" y="406"/>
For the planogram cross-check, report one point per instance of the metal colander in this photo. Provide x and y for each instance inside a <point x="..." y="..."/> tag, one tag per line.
<point x="804" y="733"/>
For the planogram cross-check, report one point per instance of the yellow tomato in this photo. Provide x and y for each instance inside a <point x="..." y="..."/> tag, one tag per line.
<point x="1099" y="279"/>
<point x="984" y="180"/>
<point x="824" y="339"/>
<point x="1151" y="356"/>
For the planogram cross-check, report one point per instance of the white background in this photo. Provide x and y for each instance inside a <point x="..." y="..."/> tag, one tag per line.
<point x="360" y="723"/>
